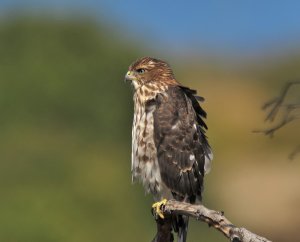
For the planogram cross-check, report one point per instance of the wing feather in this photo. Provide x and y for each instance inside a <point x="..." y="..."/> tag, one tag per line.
<point x="180" y="141"/>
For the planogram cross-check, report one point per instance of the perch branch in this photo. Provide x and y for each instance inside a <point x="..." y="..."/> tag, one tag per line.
<point x="212" y="218"/>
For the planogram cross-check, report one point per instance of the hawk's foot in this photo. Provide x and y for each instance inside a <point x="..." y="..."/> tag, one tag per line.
<point x="157" y="208"/>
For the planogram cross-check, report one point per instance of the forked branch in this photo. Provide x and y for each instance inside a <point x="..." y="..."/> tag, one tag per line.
<point x="276" y="103"/>
<point x="290" y="113"/>
<point x="212" y="218"/>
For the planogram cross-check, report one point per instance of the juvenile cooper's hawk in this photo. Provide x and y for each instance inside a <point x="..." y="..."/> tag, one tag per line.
<point x="170" y="152"/>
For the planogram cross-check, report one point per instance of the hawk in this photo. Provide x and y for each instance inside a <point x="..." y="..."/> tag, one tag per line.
<point x="170" y="152"/>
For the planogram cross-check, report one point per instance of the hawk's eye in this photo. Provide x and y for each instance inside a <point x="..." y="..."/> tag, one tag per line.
<point x="140" y="71"/>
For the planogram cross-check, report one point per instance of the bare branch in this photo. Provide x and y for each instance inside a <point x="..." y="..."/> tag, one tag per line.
<point x="212" y="218"/>
<point x="164" y="230"/>
<point x="294" y="152"/>
<point x="286" y="119"/>
<point x="277" y="102"/>
<point x="290" y="113"/>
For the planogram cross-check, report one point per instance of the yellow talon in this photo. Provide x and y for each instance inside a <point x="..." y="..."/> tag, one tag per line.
<point x="157" y="208"/>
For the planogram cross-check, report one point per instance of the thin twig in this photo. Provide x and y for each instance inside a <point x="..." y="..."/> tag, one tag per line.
<point x="294" y="152"/>
<point x="286" y="119"/>
<point x="278" y="101"/>
<point x="291" y="113"/>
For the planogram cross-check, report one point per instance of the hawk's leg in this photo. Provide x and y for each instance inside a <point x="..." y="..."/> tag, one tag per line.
<point x="157" y="208"/>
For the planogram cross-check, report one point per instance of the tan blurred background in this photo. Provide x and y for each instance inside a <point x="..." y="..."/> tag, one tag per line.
<point x="66" y="117"/>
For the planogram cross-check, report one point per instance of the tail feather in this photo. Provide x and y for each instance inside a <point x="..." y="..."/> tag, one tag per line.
<point x="183" y="223"/>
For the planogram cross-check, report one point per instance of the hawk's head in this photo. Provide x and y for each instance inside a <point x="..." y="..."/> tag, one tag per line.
<point x="149" y="70"/>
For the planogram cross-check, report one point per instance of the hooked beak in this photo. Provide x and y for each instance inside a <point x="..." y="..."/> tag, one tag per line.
<point x="129" y="77"/>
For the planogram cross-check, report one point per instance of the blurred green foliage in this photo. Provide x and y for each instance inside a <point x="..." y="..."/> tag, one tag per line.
<point x="63" y="72"/>
<point x="65" y="113"/>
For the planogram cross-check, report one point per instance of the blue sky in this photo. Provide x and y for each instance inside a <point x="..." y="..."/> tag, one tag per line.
<point x="234" y="26"/>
